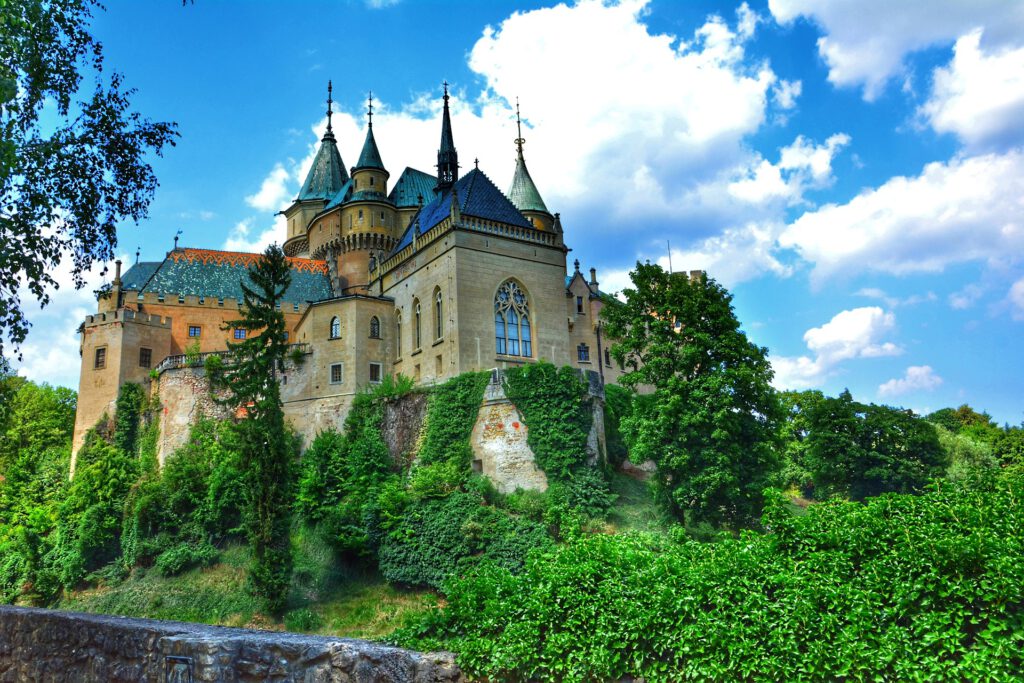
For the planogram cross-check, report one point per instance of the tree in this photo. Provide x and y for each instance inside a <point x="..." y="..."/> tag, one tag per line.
<point x="860" y="450"/>
<point x="713" y="420"/>
<point x="68" y="178"/>
<point x="249" y="381"/>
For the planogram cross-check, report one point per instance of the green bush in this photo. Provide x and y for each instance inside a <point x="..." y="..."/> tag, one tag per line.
<point x="585" y="491"/>
<point x="902" y="587"/>
<point x="303" y="620"/>
<point x="437" y="538"/>
<point x="554" y="407"/>
<point x="184" y="556"/>
<point x="451" y="414"/>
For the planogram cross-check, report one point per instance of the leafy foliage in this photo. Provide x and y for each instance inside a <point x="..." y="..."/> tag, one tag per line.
<point x="860" y="450"/>
<point x="618" y="404"/>
<point x="451" y="414"/>
<point x="712" y="423"/>
<point x="437" y="538"/>
<point x="67" y="180"/>
<point x="552" y="402"/>
<point x="901" y="588"/>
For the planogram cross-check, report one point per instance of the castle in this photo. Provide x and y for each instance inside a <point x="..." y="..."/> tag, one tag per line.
<point x="436" y="275"/>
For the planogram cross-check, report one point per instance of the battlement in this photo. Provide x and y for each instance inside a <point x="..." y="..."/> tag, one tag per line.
<point x="197" y="301"/>
<point x="127" y="315"/>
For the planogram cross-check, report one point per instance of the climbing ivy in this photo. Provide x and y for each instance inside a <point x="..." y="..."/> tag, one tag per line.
<point x="451" y="414"/>
<point x="552" y="402"/>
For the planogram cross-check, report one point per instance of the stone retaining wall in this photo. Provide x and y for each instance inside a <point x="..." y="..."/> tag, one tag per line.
<point x="58" y="647"/>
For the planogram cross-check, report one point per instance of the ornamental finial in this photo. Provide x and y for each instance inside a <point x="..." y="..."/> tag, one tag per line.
<point x="330" y="89"/>
<point x="369" y="110"/>
<point x="519" y="129"/>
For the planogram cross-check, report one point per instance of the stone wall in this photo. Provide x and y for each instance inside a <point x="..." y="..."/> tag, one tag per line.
<point x="58" y="647"/>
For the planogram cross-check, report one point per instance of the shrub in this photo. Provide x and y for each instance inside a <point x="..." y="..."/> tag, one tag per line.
<point x="618" y="403"/>
<point x="902" y="587"/>
<point x="586" y="491"/>
<point x="185" y="556"/>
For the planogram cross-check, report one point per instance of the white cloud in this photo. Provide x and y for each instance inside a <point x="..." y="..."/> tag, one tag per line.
<point x="916" y="378"/>
<point x="736" y="255"/>
<point x="243" y="238"/>
<point x="786" y="93"/>
<point x="967" y="209"/>
<point x="381" y="4"/>
<point x="965" y="297"/>
<point x="802" y="165"/>
<point x="865" y="41"/>
<point x="979" y="97"/>
<point x="892" y="301"/>
<point x="273" y="192"/>
<point x="1016" y="299"/>
<point x="852" y="334"/>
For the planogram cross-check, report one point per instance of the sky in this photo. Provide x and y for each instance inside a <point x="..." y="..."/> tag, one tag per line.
<point x="852" y="170"/>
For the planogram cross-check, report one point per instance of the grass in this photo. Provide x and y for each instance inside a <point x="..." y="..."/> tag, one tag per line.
<point x="634" y="509"/>
<point x="327" y="597"/>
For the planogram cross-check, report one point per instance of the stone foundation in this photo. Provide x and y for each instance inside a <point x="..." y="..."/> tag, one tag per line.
<point x="58" y="647"/>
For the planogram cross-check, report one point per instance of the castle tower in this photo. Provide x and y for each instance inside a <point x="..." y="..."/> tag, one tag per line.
<point x="523" y="192"/>
<point x="369" y="228"/>
<point x="447" y="156"/>
<point x="325" y="178"/>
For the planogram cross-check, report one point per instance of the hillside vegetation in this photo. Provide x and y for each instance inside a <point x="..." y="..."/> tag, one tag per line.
<point x="879" y="544"/>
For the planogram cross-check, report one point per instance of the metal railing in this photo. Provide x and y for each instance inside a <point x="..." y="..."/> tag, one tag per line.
<point x="190" y="360"/>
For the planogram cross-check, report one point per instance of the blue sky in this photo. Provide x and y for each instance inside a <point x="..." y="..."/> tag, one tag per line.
<point x="852" y="170"/>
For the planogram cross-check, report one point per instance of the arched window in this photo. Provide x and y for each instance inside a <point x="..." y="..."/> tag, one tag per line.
<point x="398" y="334"/>
<point x="416" y="317"/>
<point x="375" y="327"/>
<point x="438" y="315"/>
<point x="583" y="353"/>
<point x="335" y="328"/>
<point x="512" y="332"/>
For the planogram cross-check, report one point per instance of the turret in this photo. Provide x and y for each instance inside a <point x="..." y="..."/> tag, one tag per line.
<point x="325" y="178"/>
<point x="369" y="174"/>
<point x="447" y="156"/>
<point x="523" y="193"/>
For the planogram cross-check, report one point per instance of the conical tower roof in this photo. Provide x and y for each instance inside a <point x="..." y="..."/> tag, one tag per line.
<point x="327" y="174"/>
<point x="370" y="156"/>
<point x="523" y="192"/>
<point x="447" y="156"/>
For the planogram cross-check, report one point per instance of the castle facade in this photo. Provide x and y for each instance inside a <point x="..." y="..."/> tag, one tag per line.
<point x="428" y="276"/>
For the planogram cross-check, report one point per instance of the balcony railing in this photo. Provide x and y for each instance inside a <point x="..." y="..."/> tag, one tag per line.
<point x="188" y="360"/>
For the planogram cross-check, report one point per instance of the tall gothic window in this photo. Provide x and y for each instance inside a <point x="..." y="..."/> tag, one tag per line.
<point x="398" y="334"/>
<point x="416" y="317"/>
<point x="512" y="333"/>
<point x="335" y="327"/>
<point x="438" y="315"/>
<point x="375" y="327"/>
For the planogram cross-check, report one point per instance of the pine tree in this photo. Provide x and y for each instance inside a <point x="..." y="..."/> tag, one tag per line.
<point x="248" y="382"/>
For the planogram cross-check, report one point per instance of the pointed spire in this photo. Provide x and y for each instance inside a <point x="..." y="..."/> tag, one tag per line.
<point x="370" y="156"/>
<point x="329" y="135"/>
<point x="523" y="192"/>
<point x="447" y="156"/>
<point x="327" y="174"/>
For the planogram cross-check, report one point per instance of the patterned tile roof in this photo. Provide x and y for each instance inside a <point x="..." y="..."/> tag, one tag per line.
<point x="213" y="273"/>
<point x="327" y="174"/>
<point x="478" y="197"/>
<point x="412" y="185"/>
<point x="137" y="275"/>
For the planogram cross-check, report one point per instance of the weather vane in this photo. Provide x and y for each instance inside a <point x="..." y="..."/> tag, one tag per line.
<point x="519" y="130"/>
<point x="329" y="103"/>
<point x="369" y="109"/>
<point x="176" y="235"/>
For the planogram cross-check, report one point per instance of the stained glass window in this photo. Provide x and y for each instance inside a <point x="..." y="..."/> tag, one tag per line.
<point x="512" y="333"/>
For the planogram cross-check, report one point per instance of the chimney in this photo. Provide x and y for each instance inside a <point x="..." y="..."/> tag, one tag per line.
<point x="593" y="277"/>
<point x="117" y="273"/>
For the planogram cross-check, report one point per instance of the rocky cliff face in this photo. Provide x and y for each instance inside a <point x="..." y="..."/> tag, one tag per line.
<point x="58" y="647"/>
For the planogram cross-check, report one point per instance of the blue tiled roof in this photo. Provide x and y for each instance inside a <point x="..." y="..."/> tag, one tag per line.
<point x="340" y="197"/>
<point x="478" y="197"/>
<point x="412" y="185"/>
<point x="207" y="272"/>
<point x="137" y="276"/>
<point x="327" y="174"/>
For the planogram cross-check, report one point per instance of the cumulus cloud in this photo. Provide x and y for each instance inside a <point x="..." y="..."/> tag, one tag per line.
<point x="979" y="97"/>
<point x="967" y="209"/>
<point x="866" y="41"/>
<point x="737" y="255"/>
<point x="852" y="334"/>
<point x="802" y="165"/>
<point x="916" y="378"/>
<point x="274" y="191"/>
<point x="1016" y="299"/>
<point x="243" y="237"/>
<point x="786" y="93"/>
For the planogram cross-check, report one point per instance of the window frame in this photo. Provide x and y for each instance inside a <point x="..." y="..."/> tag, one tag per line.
<point x="198" y="329"/>
<point x="341" y="373"/>
<point x="334" y="331"/>
<point x="239" y="333"/>
<point x="583" y="353"/>
<point x="374" y="327"/>
<point x="379" y="367"/>
<point x="513" y="320"/>
<point x="147" y="355"/>
<point x="99" y="358"/>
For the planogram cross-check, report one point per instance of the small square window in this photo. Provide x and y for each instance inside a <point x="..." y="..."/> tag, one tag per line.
<point x="295" y="308"/>
<point x="337" y="373"/>
<point x="145" y="358"/>
<point x="160" y="298"/>
<point x="239" y="333"/>
<point x="181" y="298"/>
<point x="195" y="330"/>
<point x="101" y="358"/>
<point x="375" y="370"/>
<point x="220" y="301"/>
